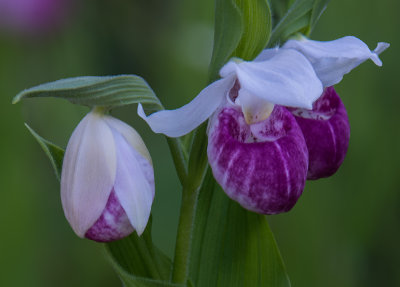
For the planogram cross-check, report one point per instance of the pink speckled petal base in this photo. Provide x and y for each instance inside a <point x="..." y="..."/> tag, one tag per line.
<point x="113" y="224"/>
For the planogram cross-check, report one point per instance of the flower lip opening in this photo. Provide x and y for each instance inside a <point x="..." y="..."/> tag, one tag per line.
<point x="233" y="93"/>
<point x="254" y="109"/>
<point x="268" y="130"/>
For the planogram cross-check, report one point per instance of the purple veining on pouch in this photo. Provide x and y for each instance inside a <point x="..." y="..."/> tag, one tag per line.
<point x="262" y="166"/>
<point x="326" y="130"/>
<point x="113" y="224"/>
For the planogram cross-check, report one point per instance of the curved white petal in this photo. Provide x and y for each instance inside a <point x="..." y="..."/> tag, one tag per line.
<point x="267" y="54"/>
<point x="382" y="46"/>
<point x="333" y="59"/>
<point x="130" y="135"/>
<point x="175" y="123"/>
<point x="254" y="109"/>
<point x="134" y="183"/>
<point x="88" y="172"/>
<point x="286" y="79"/>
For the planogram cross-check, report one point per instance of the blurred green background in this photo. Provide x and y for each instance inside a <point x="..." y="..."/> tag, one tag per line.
<point x="344" y="231"/>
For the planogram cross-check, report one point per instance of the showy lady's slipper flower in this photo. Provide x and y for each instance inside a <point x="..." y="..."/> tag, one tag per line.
<point x="107" y="181"/>
<point x="326" y="130"/>
<point x="326" y="127"/>
<point x="255" y="147"/>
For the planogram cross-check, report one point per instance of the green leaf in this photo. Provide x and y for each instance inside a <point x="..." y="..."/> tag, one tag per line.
<point x="228" y="32"/>
<point x="292" y="22"/>
<point x="53" y="152"/>
<point x="136" y="260"/>
<point x="318" y="8"/>
<point x="242" y="29"/>
<point x="198" y="161"/>
<point x="256" y="17"/>
<point x="107" y="91"/>
<point x="278" y="9"/>
<point x="301" y="16"/>
<point x="232" y="246"/>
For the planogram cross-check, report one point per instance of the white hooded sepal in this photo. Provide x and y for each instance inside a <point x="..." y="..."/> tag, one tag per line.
<point x="88" y="173"/>
<point x="134" y="181"/>
<point x="95" y="164"/>
<point x="280" y="76"/>
<point x="333" y="59"/>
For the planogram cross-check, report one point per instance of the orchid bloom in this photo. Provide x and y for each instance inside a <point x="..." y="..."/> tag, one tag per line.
<point x="107" y="180"/>
<point x="258" y="150"/>
<point x="326" y="127"/>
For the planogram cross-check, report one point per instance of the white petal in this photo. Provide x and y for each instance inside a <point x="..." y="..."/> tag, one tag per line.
<point x="130" y="135"/>
<point x="382" y="46"/>
<point x="134" y="183"/>
<point x="333" y="59"/>
<point x="266" y="54"/>
<point x="254" y="109"/>
<point x="175" y="123"/>
<point x="88" y="172"/>
<point x="286" y="79"/>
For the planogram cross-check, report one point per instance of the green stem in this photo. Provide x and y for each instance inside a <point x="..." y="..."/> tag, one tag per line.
<point x="178" y="158"/>
<point x="196" y="170"/>
<point x="184" y="235"/>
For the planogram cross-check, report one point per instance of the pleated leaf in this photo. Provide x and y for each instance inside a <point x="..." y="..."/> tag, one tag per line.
<point x="256" y="17"/>
<point x="278" y="9"/>
<point x="107" y="91"/>
<point x="242" y="29"/>
<point x="232" y="246"/>
<point x="227" y="34"/>
<point x="296" y="18"/>
<point x="301" y="17"/>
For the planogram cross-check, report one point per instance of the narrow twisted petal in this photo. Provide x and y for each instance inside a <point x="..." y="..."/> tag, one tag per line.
<point x="262" y="166"/>
<point x="88" y="173"/>
<point x="287" y="78"/>
<point x="326" y="130"/>
<point x="333" y="59"/>
<point x="134" y="183"/>
<point x="176" y="123"/>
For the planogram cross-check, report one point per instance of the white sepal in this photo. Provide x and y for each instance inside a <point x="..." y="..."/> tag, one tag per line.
<point x="267" y="54"/>
<point x="130" y="135"/>
<point x="176" y="123"/>
<point x="333" y="59"/>
<point x="88" y="173"/>
<point x="286" y="79"/>
<point x="134" y="183"/>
